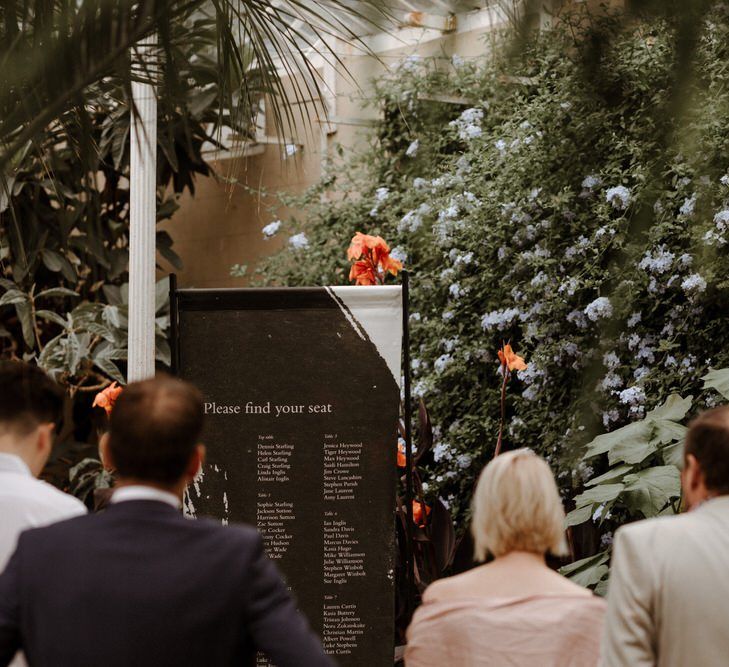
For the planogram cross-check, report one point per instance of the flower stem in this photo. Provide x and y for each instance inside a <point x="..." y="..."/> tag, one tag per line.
<point x="505" y="370"/>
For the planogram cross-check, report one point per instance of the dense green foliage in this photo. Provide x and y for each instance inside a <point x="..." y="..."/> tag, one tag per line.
<point x="576" y="204"/>
<point x="64" y="235"/>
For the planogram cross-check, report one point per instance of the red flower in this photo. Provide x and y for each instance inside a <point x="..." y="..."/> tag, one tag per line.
<point x="361" y="243"/>
<point x="363" y="273"/>
<point x="510" y="359"/>
<point x="418" y="512"/>
<point x="401" y="458"/>
<point x="106" y="398"/>
<point x="391" y="265"/>
<point x="371" y="260"/>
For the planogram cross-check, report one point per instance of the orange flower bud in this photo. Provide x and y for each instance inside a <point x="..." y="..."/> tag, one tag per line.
<point x="106" y="398"/>
<point x="510" y="359"/>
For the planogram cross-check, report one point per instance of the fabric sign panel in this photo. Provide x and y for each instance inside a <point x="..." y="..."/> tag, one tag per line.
<point x="301" y="390"/>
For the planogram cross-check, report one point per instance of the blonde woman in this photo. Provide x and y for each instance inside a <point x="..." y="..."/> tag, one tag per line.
<point x="513" y="611"/>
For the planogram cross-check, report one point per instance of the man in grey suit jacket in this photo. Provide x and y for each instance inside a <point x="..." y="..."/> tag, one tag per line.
<point x="668" y="600"/>
<point x="140" y="585"/>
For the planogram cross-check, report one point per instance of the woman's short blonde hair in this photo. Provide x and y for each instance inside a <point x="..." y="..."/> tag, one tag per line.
<point x="516" y="507"/>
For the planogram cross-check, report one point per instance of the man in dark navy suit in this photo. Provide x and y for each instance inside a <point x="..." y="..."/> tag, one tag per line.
<point x="140" y="585"/>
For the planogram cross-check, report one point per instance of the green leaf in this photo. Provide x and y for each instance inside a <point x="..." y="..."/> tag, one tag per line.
<point x="110" y="368"/>
<point x="719" y="380"/>
<point x="25" y="315"/>
<point x="162" y="294"/>
<point x="112" y="294"/>
<point x="610" y="475"/>
<point x="587" y="571"/>
<point x="602" y="587"/>
<point x="673" y="455"/>
<point x="118" y="263"/>
<point x="171" y="256"/>
<point x="51" y="317"/>
<point x="674" y="409"/>
<point x="56" y="292"/>
<point x="651" y="489"/>
<point x="52" y="259"/>
<point x="73" y="352"/>
<point x="13" y="296"/>
<point x="163" y="353"/>
<point x="99" y="330"/>
<point x="667" y="432"/>
<point x="599" y="494"/>
<point x="578" y="516"/>
<point x="110" y="315"/>
<point x="633" y="452"/>
<point x="632" y="435"/>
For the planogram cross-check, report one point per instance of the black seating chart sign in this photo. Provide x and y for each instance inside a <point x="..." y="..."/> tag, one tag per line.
<point x="301" y="390"/>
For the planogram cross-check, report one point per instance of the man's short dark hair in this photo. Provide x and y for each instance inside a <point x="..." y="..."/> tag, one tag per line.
<point x="708" y="440"/>
<point x="154" y="427"/>
<point x="28" y="397"/>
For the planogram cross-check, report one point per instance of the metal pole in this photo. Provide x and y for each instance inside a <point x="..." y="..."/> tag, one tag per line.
<point x="407" y="409"/>
<point x="174" y="319"/>
<point x="142" y="223"/>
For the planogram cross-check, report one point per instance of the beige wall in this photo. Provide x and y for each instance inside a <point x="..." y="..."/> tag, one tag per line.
<point x="221" y="225"/>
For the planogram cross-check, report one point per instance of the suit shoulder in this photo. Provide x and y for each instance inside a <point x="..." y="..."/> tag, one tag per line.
<point x="57" y="530"/>
<point x="652" y="530"/>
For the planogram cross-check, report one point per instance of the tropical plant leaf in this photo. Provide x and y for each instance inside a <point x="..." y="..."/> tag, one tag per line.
<point x="161" y="294"/>
<point x="52" y="259"/>
<point x="633" y="451"/>
<point x="50" y="316"/>
<point x="109" y="368"/>
<point x="632" y="435"/>
<point x="259" y="45"/>
<point x="650" y="490"/>
<point x="110" y="315"/>
<point x="12" y="297"/>
<point x="425" y="431"/>
<point x="442" y="535"/>
<point x="56" y="292"/>
<point x="667" y="432"/>
<point x="25" y="315"/>
<point x="599" y="494"/>
<point x="163" y="352"/>
<point x="589" y="571"/>
<point x="578" y="516"/>
<point x="673" y="454"/>
<point x="674" y="409"/>
<point x="611" y="475"/>
<point x="718" y="379"/>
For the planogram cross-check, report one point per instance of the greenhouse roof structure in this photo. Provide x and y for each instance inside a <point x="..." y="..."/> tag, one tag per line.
<point x="354" y="18"/>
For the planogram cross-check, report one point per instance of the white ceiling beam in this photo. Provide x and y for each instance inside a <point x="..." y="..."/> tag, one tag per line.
<point x="481" y="19"/>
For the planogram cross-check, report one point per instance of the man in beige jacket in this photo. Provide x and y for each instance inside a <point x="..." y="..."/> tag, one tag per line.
<point x="668" y="600"/>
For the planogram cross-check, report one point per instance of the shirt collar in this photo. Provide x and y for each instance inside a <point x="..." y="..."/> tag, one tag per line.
<point x="714" y="501"/>
<point x="13" y="463"/>
<point x="142" y="492"/>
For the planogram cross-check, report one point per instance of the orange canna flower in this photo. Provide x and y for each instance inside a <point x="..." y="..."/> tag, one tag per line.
<point x="401" y="458"/>
<point x="510" y="359"/>
<point x="363" y="273"/>
<point x="391" y="265"/>
<point x="418" y="513"/>
<point x="363" y="242"/>
<point x="106" y="398"/>
<point x="371" y="259"/>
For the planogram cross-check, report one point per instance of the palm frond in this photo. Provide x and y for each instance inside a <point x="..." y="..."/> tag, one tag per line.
<point x="51" y="51"/>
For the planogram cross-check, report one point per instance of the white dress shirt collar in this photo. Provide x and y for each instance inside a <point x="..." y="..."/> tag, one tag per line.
<point x="13" y="463"/>
<point x="142" y="492"/>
